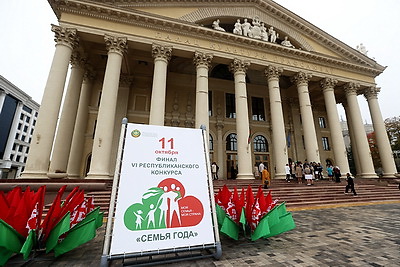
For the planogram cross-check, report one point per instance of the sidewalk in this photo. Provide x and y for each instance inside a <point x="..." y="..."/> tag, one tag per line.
<point x="345" y="236"/>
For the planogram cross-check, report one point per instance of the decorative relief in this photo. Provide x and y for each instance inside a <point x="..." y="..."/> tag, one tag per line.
<point x="159" y="51"/>
<point x="351" y="88"/>
<point x="189" y="122"/>
<point x="202" y="59"/>
<point x="116" y="44"/>
<point x="90" y="74"/>
<point x="372" y="92"/>
<point x="125" y="80"/>
<point x="301" y="78"/>
<point x="65" y="36"/>
<point x="175" y="121"/>
<point x="239" y="65"/>
<point x="273" y="72"/>
<point x="328" y="83"/>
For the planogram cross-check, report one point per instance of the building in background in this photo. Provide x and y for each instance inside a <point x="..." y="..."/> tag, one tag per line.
<point x="265" y="82"/>
<point x="18" y="114"/>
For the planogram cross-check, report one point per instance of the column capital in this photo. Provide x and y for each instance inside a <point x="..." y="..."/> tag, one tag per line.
<point x="116" y="44"/>
<point x="125" y="80"/>
<point x="159" y="51"/>
<point x="239" y="65"/>
<point x="301" y="78"/>
<point x="371" y="92"/>
<point x="273" y="72"/>
<point x="90" y="74"/>
<point x="202" y="59"/>
<point x="351" y="88"/>
<point x="78" y="60"/>
<point x="328" y="83"/>
<point x="65" y="36"/>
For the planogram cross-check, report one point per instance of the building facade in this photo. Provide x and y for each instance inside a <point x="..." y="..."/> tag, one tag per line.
<point x="18" y="114"/>
<point x="264" y="82"/>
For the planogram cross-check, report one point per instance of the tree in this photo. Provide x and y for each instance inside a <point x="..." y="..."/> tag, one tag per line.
<point x="374" y="150"/>
<point x="393" y="131"/>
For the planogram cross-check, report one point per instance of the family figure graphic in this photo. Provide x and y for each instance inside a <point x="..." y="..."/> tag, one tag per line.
<point x="164" y="206"/>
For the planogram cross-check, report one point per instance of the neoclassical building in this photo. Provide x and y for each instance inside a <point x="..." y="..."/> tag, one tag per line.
<point x="265" y="82"/>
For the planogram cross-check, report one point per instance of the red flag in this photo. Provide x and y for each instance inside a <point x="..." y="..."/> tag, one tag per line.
<point x="90" y="204"/>
<point x="258" y="208"/>
<point x="33" y="222"/>
<point x="269" y="202"/>
<point x="13" y="197"/>
<point x="71" y="195"/>
<point x="52" y="216"/>
<point x="79" y="214"/>
<point x="74" y="201"/>
<point x="16" y="191"/>
<point x="4" y="207"/>
<point x="249" y="203"/>
<point x="224" y="196"/>
<point x="22" y="213"/>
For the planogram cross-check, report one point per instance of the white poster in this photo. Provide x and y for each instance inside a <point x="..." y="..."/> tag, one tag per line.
<point x="163" y="199"/>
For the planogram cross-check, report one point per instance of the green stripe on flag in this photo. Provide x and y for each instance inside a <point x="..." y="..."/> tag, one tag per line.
<point x="61" y="227"/>
<point x="5" y="254"/>
<point x="10" y="239"/>
<point x="261" y="230"/>
<point x="286" y="224"/>
<point x="281" y="209"/>
<point x="80" y="234"/>
<point x="28" y="245"/>
<point x="230" y="228"/>
<point x="220" y="215"/>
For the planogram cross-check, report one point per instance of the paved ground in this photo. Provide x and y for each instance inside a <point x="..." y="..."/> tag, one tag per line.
<point x="345" y="236"/>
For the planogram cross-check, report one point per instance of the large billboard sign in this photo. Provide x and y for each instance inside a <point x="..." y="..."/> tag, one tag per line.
<point x="163" y="198"/>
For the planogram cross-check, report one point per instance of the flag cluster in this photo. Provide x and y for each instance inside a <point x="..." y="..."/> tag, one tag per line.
<point x="67" y="224"/>
<point x="260" y="215"/>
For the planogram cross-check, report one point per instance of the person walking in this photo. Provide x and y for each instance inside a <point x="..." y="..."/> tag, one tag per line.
<point x="214" y="170"/>
<point x="256" y="172"/>
<point x="287" y="171"/>
<point x="329" y="170"/>
<point x="266" y="178"/>
<point x="337" y="174"/>
<point x="299" y="173"/>
<point x="350" y="185"/>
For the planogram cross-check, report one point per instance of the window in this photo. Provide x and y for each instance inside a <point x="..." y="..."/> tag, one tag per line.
<point x="27" y="109"/>
<point x="322" y="122"/>
<point x="19" y="126"/>
<point x="20" y="148"/>
<point x="21" y="116"/>
<point x="16" y="135"/>
<point x="260" y="144"/>
<point x="34" y="122"/>
<point x="325" y="143"/>
<point x="23" y="137"/>
<point x="231" y="142"/>
<point x="230" y="106"/>
<point x="257" y="107"/>
<point x="27" y="119"/>
<point x="14" y="147"/>
<point x="17" y="159"/>
<point x="211" y="144"/>
<point x="25" y="128"/>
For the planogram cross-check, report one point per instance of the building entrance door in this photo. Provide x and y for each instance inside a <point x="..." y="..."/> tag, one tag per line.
<point x="231" y="165"/>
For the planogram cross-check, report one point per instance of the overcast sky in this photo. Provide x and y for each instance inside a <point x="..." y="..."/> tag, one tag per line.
<point x="27" y="45"/>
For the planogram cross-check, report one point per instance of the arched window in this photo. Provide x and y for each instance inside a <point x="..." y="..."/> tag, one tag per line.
<point x="211" y="142"/>
<point x="231" y="142"/>
<point x="260" y="144"/>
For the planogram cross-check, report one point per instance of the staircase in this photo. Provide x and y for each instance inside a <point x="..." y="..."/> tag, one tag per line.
<point x="323" y="194"/>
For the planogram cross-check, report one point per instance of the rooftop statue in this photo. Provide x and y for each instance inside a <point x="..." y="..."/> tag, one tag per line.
<point x="287" y="43"/>
<point x="272" y="34"/>
<point x="246" y="26"/>
<point x="264" y="33"/>
<point x="238" y="28"/>
<point x="255" y="30"/>
<point x="361" y="48"/>
<point x="216" y="26"/>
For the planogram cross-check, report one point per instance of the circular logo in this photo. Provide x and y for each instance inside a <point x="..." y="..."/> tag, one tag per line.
<point x="135" y="133"/>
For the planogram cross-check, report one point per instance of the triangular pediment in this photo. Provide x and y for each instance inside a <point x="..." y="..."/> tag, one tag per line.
<point x="197" y="16"/>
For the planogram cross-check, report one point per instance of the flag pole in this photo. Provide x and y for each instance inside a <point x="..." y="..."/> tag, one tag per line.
<point x="107" y="238"/>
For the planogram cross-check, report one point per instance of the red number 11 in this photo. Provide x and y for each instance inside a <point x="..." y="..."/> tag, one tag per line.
<point x="162" y="140"/>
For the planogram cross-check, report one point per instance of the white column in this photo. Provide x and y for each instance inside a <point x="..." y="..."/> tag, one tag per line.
<point x="307" y="118"/>
<point x="103" y="138"/>
<point x="220" y="150"/>
<point x="382" y="140"/>
<point x="161" y="55"/>
<point x="63" y="140"/>
<point x="339" y="148"/>
<point x="2" y="97"/>
<point x="78" y="138"/>
<point x="239" y="68"/>
<point x="353" y="144"/>
<point x="13" y="131"/>
<point x="278" y="125"/>
<point x="202" y="62"/>
<point x="367" y="166"/>
<point x="42" y="141"/>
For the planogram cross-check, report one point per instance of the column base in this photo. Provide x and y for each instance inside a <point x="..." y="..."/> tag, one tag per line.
<point x="98" y="176"/>
<point x="57" y="175"/>
<point x="33" y="175"/>
<point x="281" y="176"/>
<point x="368" y="175"/>
<point x="245" y="176"/>
<point x="390" y="175"/>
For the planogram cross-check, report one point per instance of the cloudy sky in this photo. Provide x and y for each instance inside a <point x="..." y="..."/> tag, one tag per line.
<point x="27" y="45"/>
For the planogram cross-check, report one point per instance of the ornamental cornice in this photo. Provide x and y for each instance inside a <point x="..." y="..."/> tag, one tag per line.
<point x="121" y="11"/>
<point x="372" y="92"/>
<point x="202" y="59"/>
<point x="116" y="44"/>
<point x="273" y="72"/>
<point x="65" y="36"/>
<point x="238" y="65"/>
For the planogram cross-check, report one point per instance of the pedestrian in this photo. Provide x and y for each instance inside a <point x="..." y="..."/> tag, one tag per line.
<point x="256" y="172"/>
<point x="329" y="170"/>
<point x="287" y="171"/>
<point x="299" y="173"/>
<point x="261" y="167"/>
<point x="308" y="175"/>
<point x="266" y="178"/>
<point x="350" y="184"/>
<point x="214" y="170"/>
<point x="233" y="172"/>
<point x="337" y="174"/>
